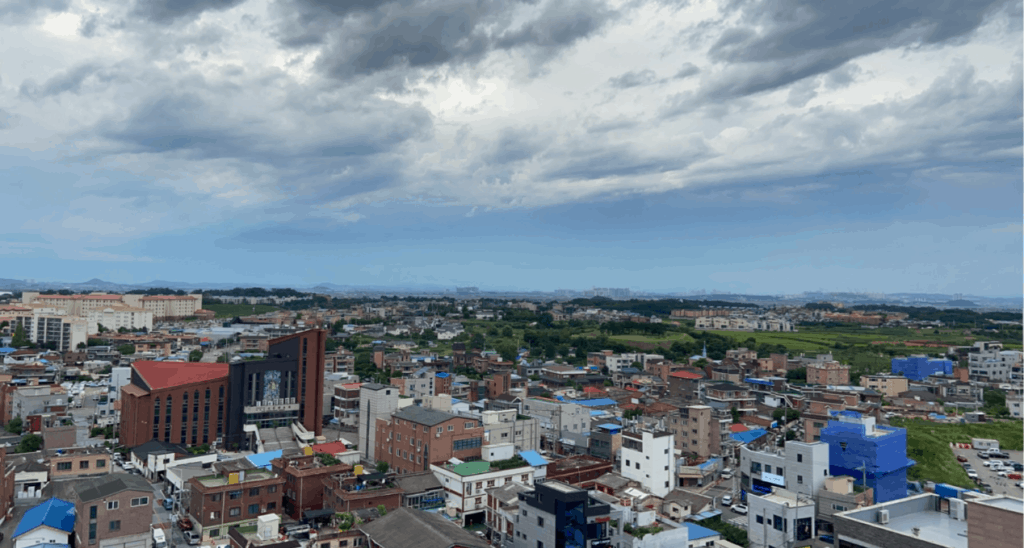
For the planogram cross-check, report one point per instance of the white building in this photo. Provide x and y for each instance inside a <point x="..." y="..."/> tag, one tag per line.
<point x="466" y="484"/>
<point x="996" y="364"/>
<point x="648" y="458"/>
<point x="781" y="518"/>
<point x="799" y="467"/>
<point x="116" y="317"/>
<point x="504" y="427"/>
<point x="48" y="324"/>
<point x="376" y="401"/>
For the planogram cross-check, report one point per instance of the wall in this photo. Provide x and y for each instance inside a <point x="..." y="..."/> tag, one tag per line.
<point x="885" y="456"/>
<point x="134" y="520"/>
<point x="994" y="527"/>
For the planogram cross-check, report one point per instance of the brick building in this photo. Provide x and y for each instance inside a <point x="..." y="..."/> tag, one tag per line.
<point x="234" y="495"/>
<point x="304" y="477"/>
<point x="685" y="385"/>
<point x="198" y="403"/>
<point x="828" y="373"/>
<point x="347" y="492"/>
<point x="6" y="486"/>
<point x="112" y="510"/>
<point x="579" y="470"/>
<point x="414" y="437"/>
<point x="78" y="461"/>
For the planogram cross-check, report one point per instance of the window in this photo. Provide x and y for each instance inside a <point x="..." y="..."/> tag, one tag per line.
<point x="92" y="512"/>
<point x="63" y="466"/>
<point x="83" y="465"/>
<point x="141" y="501"/>
<point x="233" y="495"/>
<point x="398" y="437"/>
<point x="778" y="523"/>
<point x="767" y="469"/>
<point x="469" y="443"/>
<point x="451" y="427"/>
<point x="271" y="506"/>
<point x="235" y="512"/>
<point x="628" y="463"/>
<point x="216" y="497"/>
<point x="470" y="425"/>
<point x="760" y="518"/>
<point x="254" y="492"/>
<point x="839" y="507"/>
<point x="112" y="505"/>
<point x="214" y="533"/>
<point x="115" y="525"/>
<point x="755" y="468"/>
<point x="525" y="478"/>
<point x="540" y="544"/>
<point x="440" y="429"/>
<point x="799" y="479"/>
<point x="799" y="457"/>
<point x="254" y="509"/>
<point x="638" y="466"/>
<point x="101" y="463"/>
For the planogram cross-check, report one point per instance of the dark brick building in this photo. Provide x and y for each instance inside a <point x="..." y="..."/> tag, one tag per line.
<point x="304" y="477"/>
<point x="414" y="437"/>
<point x="234" y="495"/>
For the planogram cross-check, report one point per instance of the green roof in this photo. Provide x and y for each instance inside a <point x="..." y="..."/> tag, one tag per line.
<point x="472" y="468"/>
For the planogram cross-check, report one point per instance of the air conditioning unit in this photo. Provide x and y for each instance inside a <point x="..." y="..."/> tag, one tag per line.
<point x="958" y="509"/>
<point x="437" y="434"/>
<point x="883" y="517"/>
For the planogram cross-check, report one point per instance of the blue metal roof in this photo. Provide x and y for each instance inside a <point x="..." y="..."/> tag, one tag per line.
<point x="596" y="402"/>
<point x="54" y="513"/>
<point x="7" y="350"/>
<point x="263" y="459"/>
<point x="697" y="532"/>
<point x="706" y="464"/>
<point x="533" y="458"/>
<point x="611" y="427"/>
<point x="707" y="515"/>
<point x="749" y="435"/>
<point x="441" y="374"/>
<point x="765" y="382"/>
<point x="596" y="413"/>
<point x="629" y="370"/>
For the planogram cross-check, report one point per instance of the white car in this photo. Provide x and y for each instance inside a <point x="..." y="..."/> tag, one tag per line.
<point x="987" y="463"/>
<point x="740" y="509"/>
<point x="727" y="500"/>
<point x="972" y="474"/>
<point x="1002" y="473"/>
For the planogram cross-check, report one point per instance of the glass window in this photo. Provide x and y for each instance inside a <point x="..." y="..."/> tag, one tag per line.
<point x="254" y="492"/>
<point x="83" y="465"/>
<point x="101" y="463"/>
<point x="112" y="505"/>
<point x="92" y="512"/>
<point x="235" y="512"/>
<point x="254" y="509"/>
<point x="115" y="525"/>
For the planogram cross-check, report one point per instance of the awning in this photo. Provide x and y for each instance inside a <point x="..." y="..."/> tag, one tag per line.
<point x="318" y="514"/>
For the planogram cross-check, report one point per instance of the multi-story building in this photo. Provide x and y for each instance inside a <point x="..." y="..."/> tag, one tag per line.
<point x="873" y="454"/>
<point x="780" y="518"/>
<point x="197" y="403"/>
<point x="887" y="385"/>
<point x="995" y="365"/>
<point x="466" y="484"/>
<point x="118" y="316"/>
<point x="74" y="305"/>
<point x="234" y="495"/>
<point x="503" y="511"/>
<point x="114" y="510"/>
<point x="800" y="467"/>
<point x="6" y="486"/>
<point x="839" y="494"/>
<point x="507" y="426"/>
<point x="347" y="492"/>
<point x="167" y="307"/>
<point x="556" y="417"/>
<point x="339" y="361"/>
<point x="727" y="395"/>
<point x="414" y="437"/>
<point x="78" y="461"/>
<point x="605" y="441"/>
<point x="52" y="327"/>
<point x="828" y="373"/>
<point x="919" y="368"/>
<point x="304" y="477"/>
<point x="39" y="406"/>
<point x="557" y="514"/>
<point x="685" y="385"/>
<point x="376" y="401"/>
<point x="345" y="401"/>
<point x="649" y="458"/>
<point x="696" y="430"/>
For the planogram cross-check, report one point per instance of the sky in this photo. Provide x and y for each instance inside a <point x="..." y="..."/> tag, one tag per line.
<point x="761" y="147"/>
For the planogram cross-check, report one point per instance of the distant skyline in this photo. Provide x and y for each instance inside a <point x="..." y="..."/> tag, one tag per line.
<point x="752" y="147"/>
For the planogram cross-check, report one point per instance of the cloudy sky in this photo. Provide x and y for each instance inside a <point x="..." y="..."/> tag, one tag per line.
<point x="747" y="146"/>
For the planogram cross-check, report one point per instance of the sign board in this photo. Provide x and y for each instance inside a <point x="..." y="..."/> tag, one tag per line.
<point x="775" y="424"/>
<point x="773" y="479"/>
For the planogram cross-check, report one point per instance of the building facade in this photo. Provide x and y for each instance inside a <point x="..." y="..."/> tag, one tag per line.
<point x="780" y="518"/>
<point x="555" y="514"/>
<point x="919" y="368"/>
<point x="802" y="468"/>
<point x="231" y="497"/>
<point x="649" y="458"/>
<point x="376" y="401"/>
<point x="414" y="437"/>
<point x="872" y="454"/>
<point x="828" y="373"/>
<point x="114" y="511"/>
<point x="887" y="385"/>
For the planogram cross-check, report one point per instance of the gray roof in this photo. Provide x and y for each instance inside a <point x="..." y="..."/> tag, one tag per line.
<point x="158" y="447"/>
<point x="694" y="500"/>
<point x="104" y="486"/>
<point x="422" y="415"/>
<point x="374" y="386"/>
<point x="508" y="493"/>
<point x="406" y="527"/>
<point x="418" y="483"/>
<point x="613" y="480"/>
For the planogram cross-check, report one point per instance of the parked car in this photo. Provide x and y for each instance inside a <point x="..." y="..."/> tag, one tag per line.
<point x="1018" y="467"/>
<point x="972" y="474"/>
<point x="740" y="509"/>
<point x="961" y="458"/>
<point x="999" y="455"/>
<point x="727" y="500"/>
<point x="1002" y="473"/>
<point x="827" y="538"/>
<point x="192" y="538"/>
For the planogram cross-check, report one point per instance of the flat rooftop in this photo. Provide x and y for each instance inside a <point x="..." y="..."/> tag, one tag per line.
<point x="250" y="476"/>
<point x="1006" y="503"/>
<point x="935" y="527"/>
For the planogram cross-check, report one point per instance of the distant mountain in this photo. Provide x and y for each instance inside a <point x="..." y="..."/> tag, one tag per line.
<point x="961" y="303"/>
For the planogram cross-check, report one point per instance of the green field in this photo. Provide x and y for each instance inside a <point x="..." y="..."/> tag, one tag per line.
<point x="928" y="444"/>
<point x="668" y="337"/>
<point x="232" y="310"/>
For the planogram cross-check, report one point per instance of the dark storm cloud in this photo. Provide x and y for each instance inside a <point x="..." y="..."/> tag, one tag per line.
<point x="802" y="38"/>
<point x="633" y="79"/>
<point x="23" y="10"/>
<point x="164" y="12"/>
<point x="369" y="37"/>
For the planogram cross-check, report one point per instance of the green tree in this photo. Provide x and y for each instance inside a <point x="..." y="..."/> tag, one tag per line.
<point x="382" y="466"/>
<point x="224" y="358"/>
<point x="382" y="510"/>
<point x="195" y="356"/>
<point x="507" y="350"/>
<point x="477" y="341"/>
<point x="122" y="330"/>
<point x="19" y="339"/>
<point x="126" y="349"/>
<point x="29" y="444"/>
<point x="101" y="328"/>
<point x="14" y="425"/>
<point x="82" y="346"/>
<point x="735" y="415"/>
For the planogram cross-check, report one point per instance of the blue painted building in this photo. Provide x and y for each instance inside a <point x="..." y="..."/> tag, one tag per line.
<point x="919" y="368"/>
<point x="857" y="447"/>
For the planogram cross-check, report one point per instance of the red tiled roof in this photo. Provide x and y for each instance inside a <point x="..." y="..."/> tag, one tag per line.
<point x="738" y="428"/>
<point x="166" y="297"/>
<point x="133" y="390"/>
<point x="352" y="385"/>
<point x="103" y="297"/>
<point x="685" y="375"/>
<point x="631" y="389"/>
<point x="592" y="390"/>
<point x="170" y="374"/>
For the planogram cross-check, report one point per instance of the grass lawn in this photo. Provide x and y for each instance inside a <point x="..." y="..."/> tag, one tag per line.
<point x="232" y="310"/>
<point x="928" y="444"/>
<point x="669" y="337"/>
